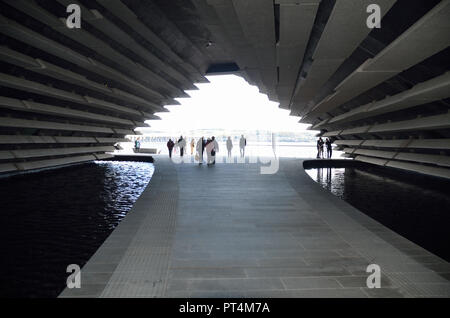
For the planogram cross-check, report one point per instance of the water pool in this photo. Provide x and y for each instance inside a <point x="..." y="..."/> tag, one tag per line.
<point x="416" y="209"/>
<point x="55" y="218"/>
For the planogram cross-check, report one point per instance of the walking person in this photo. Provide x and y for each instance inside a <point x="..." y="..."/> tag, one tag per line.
<point x="329" y="148"/>
<point x="203" y="145"/>
<point x="137" y="145"/>
<point x="192" y="146"/>
<point x="209" y="146"/>
<point x="229" y="146"/>
<point x="182" y="145"/>
<point x="242" y="144"/>
<point x="170" y="145"/>
<point x="200" y="149"/>
<point x="215" y="149"/>
<point x="320" y="148"/>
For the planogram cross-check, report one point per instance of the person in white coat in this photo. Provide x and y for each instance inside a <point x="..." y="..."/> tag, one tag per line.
<point x="200" y="148"/>
<point x="209" y="147"/>
<point x="242" y="144"/>
<point x="215" y="149"/>
<point x="229" y="146"/>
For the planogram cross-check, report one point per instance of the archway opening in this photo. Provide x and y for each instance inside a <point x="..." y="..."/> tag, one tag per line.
<point x="225" y="107"/>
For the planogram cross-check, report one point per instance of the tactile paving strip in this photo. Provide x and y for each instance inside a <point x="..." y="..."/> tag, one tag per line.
<point x="143" y="270"/>
<point x="134" y="259"/>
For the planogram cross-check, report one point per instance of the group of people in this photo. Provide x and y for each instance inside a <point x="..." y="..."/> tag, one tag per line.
<point x="242" y="145"/>
<point x="180" y="143"/>
<point x="320" y="144"/>
<point x="210" y="145"/>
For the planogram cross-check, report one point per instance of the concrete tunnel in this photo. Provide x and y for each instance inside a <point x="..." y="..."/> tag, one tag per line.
<point x="371" y="75"/>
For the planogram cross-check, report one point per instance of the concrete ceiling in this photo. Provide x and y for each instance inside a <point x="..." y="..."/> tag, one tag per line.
<point x="67" y="95"/>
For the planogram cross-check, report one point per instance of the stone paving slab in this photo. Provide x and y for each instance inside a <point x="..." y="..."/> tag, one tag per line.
<point x="229" y="231"/>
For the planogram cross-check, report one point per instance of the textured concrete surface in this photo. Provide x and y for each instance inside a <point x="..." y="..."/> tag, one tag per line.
<point x="228" y="231"/>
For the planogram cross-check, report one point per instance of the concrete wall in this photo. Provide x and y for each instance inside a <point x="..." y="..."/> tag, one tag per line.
<point x="68" y="95"/>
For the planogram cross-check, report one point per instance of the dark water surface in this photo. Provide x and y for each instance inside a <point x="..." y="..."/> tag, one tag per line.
<point x="417" y="210"/>
<point x="55" y="218"/>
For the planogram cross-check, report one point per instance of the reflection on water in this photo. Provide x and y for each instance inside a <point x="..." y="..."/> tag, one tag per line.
<point x="416" y="210"/>
<point x="325" y="176"/>
<point x="56" y="218"/>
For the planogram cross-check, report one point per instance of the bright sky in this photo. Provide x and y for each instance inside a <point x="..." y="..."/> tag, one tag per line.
<point x="227" y="102"/>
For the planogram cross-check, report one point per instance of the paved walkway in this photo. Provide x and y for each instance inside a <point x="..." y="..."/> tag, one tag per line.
<point x="229" y="231"/>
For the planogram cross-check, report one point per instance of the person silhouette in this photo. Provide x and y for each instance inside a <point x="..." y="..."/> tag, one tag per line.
<point x="329" y="148"/>
<point x="200" y="149"/>
<point x="242" y="144"/>
<point x="170" y="145"/>
<point x="215" y="149"/>
<point x="192" y="146"/>
<point x="209" y="146"/>
<point x="229" y="146"/>
<point x="320" y="148"/>
<point x="182" y="145"/>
